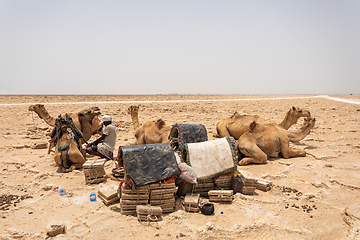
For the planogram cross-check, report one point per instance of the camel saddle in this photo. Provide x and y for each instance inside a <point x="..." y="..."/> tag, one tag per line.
<point x="211" y="158"/>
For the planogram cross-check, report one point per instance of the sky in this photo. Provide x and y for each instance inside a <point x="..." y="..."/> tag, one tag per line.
<point x="180" y="47"/>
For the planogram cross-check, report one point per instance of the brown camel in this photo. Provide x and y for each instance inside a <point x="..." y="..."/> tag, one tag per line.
<point x="86" y="120"/>
<point x="151" y="131"/>
<point x="238" y="124"/>
<point x="68" y="154"/>
<point x="263" y="140"/>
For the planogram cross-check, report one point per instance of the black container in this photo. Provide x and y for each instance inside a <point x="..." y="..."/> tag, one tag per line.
<point x="237" y="184"/>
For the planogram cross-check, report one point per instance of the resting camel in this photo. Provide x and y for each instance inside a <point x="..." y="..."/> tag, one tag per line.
<point x="69" y="154"/>
<point x="238" y="124"/>
<point x="263" y="140"/>
<point x="151" y="131"/>
<point x="86" y="120"/>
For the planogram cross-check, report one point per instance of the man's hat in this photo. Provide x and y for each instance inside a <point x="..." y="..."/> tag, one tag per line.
<point x="105" y="118"/>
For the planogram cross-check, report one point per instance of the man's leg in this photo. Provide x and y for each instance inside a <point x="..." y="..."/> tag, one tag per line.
<point x="94" y="151"/>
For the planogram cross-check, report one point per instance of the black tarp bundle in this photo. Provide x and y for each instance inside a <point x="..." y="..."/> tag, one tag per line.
<point x="186" y="133"/>
<point x="148" y="163"/>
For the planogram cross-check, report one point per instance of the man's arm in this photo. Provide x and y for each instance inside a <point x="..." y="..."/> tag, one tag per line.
<point x="97" y="141"/>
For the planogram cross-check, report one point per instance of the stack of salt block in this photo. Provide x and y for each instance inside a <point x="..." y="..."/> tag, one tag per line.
<point x="130" y="199"/>
<point x="163" y="195"/>
<point x="224" y="181"/>
<point x="249" y="181"/>
<point x="149" y="213"/>
<point x="94" y="171"/>
<point x="221" y="195"/>
<point x="203" y="187"/>
<point x="108" y="194"/>
<point x="263" y="185"/>
<point x="191" y="202"/>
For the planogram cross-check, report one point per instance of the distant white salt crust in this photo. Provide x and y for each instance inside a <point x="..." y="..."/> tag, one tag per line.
<point x="352" y="101"/>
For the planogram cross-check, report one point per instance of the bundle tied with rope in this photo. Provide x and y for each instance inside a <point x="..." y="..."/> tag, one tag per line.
<point x="149" y="213"/>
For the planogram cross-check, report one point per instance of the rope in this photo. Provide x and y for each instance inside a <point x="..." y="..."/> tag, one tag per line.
<point x="32" y="115"/>
<point x="64" y="148"/>
<point x="182" y="219"/>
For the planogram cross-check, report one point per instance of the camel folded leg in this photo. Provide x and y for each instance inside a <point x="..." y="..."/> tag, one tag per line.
<point x="72" y="168"/>
<point x="288" y="152"/>
<point x="254" y="154"/>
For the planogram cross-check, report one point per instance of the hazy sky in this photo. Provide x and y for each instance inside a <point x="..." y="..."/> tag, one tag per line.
<point x="184" y="47"/>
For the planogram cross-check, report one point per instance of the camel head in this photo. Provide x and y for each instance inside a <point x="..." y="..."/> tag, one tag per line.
<point x="133" y="109"/>
<point x="298" y="112"/>
<point x="37" y="108"/>
<point x="90" y="113"/>
<point x="309" y="122"/>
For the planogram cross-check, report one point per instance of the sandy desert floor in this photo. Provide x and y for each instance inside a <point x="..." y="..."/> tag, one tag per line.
<point x="327" y="180"/>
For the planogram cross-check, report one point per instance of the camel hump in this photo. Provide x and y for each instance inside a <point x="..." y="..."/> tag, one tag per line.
<point x="160" y="123"/>
<point x="252" y="126"/>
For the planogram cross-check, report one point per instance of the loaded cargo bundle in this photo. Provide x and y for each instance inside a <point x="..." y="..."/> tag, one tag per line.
<point x="221" y="195"/>
<point x="249" y="182"/>
<point x="149" y="176"/>
<point x="224" y="181"/>
<point x="94" y="170"/>
<point x="191" y="202"/>
<point x="203" y="187"/>
<point x="163" y="195"/>
<point x="108" y="194"/>
<point x="186" y="133"/>
<point x="130" y="198"/>
<point x="149" y="163"/>
<point x="149" y="213"/>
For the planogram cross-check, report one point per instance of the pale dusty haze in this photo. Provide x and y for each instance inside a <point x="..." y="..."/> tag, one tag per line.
<point x="180" y="47"/>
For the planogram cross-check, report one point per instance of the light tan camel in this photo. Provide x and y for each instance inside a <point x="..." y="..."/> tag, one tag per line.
<point x="263" y="140"/>
<point x="151" y="131"/>
<point x="67" y="154"/>
<point x="86" y="120"/>
<point x="238" y="124"/>
<point x="134" y="113"/>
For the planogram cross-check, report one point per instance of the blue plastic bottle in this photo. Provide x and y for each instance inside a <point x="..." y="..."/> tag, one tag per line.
<point x="92" y="197"/>
<point x="62" y="192"/>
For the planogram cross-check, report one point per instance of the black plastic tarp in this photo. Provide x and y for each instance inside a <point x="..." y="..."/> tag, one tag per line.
<point x="149" y="163"/>
<point x="187" y="133"/>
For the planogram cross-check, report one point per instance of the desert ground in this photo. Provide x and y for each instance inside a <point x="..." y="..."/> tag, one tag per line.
<point x="313" y="197"/>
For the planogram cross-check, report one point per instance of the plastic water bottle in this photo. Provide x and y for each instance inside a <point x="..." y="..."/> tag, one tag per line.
<point x="62" y="192"/>
<point x="92" y="197"/>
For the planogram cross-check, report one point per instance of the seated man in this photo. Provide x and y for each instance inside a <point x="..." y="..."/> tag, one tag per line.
<point x="108" y="138"/>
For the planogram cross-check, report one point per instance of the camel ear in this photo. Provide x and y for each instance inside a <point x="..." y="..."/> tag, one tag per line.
<point x="160" y="123"/>
<point x="293" y="108"/>
<point x="252" y="126"/>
